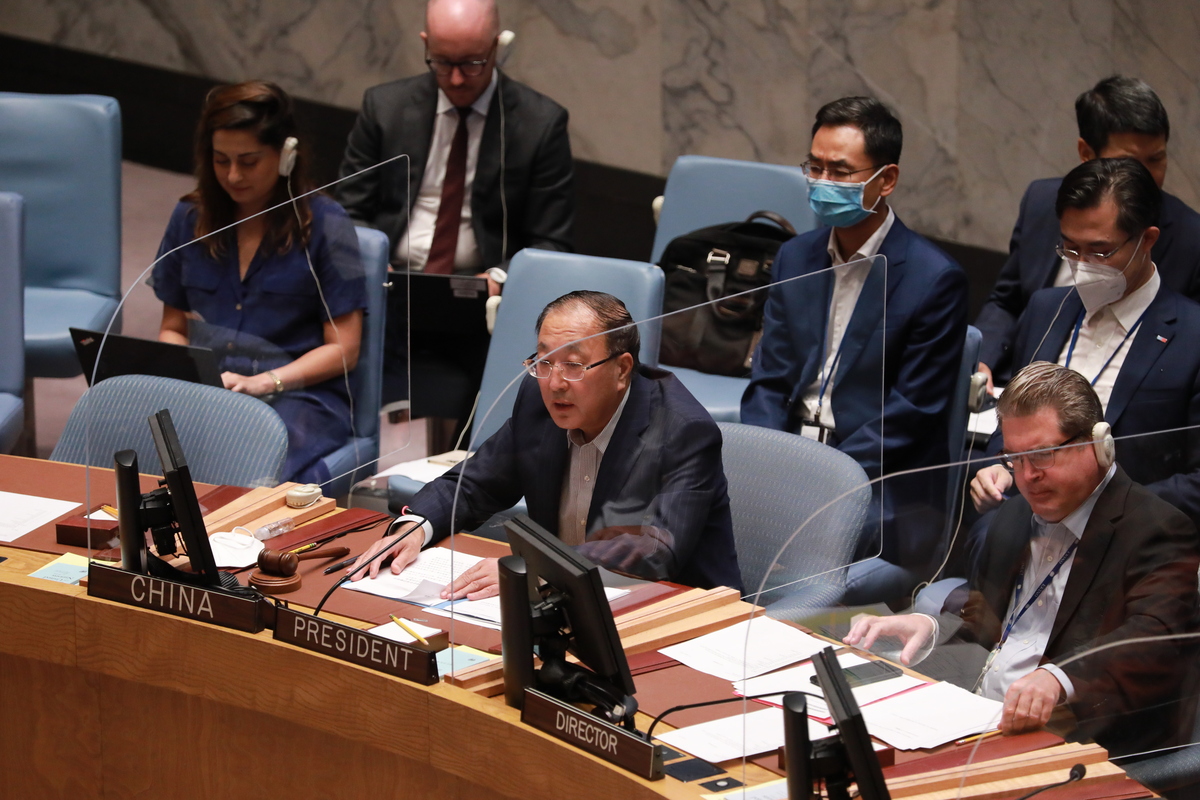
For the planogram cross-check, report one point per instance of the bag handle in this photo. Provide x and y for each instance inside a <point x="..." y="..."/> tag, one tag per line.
<point x="778" y="219"/>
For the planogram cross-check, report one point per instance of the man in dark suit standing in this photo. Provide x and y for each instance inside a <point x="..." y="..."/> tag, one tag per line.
<point x="618" y="459"/>
<point x="1118" y="117"/>
<point x="1123" y="328"/>
<point x="838" y="362"/>
<point x="1084" y="558"/>
<point x="489" y="171"/>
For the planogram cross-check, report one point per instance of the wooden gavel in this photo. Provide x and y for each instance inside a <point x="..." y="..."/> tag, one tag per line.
<point x="277" y="562"/>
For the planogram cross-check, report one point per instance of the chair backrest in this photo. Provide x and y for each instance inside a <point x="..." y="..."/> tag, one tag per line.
<point x="780" y="483"/>
<point x="227" y="438"/>
<point x="12" y="299"/>
<point x="366" y="382"/>
<point x="704" y="191"/>
<point x="62" y="153"/>
<point x="535" y="277"/>
<point x="959" y="414"/>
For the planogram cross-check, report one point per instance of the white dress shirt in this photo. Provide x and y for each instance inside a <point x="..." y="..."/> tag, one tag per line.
<point x="419" y="234"/>
<point x="580" y="481"/>
<point x="1020" y="654"/>
<point x="1104" y="334"/>
<point x="847" y="286"/>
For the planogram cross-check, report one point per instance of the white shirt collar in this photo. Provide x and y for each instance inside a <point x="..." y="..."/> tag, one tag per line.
<point x="1077" y="520"/>
<point x="575" y="437"/>
<point x="480" y="106"/>
<point x="869" y="248"/>
<point x="1130" y="308"/>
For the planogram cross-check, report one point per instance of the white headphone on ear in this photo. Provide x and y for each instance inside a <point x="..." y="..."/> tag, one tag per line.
<point x="287" y="156"/>
<point x="1103" y="444"/>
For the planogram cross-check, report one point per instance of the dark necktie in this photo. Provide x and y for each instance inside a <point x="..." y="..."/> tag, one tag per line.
<point x="449" y="218"/>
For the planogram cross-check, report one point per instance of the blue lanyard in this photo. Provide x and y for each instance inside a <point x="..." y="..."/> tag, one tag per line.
<point x="1075" y="337"/>
<point x="828" y="376"/>
<point x="1037" y="593"/>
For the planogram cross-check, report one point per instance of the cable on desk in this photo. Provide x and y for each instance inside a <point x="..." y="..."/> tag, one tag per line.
<point x="368" y="562"/>
<point x="650" y="730"/>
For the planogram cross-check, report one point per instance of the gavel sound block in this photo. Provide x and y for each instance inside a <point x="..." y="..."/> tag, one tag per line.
<point x="277" y="571"/>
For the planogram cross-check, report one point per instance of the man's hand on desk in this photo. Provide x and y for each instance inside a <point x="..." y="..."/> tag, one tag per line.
<point x="1029" y="702"/>
<point x="404" y="553"/>
<point x="913" y="631"/>
<point x="478" y="582"/>
<point x="988" y="487"/>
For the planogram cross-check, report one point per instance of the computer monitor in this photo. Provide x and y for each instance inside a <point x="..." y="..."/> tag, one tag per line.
<point x="864" y="764"/>
<point x="165" y="512"/>
<point x="563" y="608"/>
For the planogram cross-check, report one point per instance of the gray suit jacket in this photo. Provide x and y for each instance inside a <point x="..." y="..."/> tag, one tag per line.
<point x="398" y="117"/>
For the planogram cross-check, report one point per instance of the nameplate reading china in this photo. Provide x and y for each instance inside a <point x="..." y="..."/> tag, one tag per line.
<point x="587" y="732"/>
<point x="414" y="662"/>
<point x="178" y="599"/>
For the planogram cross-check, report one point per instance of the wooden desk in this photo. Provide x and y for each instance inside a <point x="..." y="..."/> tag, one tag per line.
<point x="105" y="700"/>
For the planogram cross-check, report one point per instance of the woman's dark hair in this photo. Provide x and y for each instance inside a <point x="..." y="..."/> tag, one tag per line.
<point x="266" y="111"/>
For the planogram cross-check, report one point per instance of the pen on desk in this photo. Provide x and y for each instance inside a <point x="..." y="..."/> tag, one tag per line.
<point x="978" y="736"/>
<point x="408" y="630"/>
<point x="340" y="565"/>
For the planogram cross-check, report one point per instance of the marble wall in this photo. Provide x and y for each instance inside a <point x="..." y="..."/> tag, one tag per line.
<point x="985" y="89"/>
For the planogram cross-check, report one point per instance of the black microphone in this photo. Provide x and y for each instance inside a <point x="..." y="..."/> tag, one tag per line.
<point x="1077" y="773"/>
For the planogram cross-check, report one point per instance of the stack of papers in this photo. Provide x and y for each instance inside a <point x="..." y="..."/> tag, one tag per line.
<point x="22" y="513"/>
<point x="486" y="612"/>
<point x="746" y="649"/>
<point x="931" y="716"/>
<point x="69" y="569"/>
<point x="738" y="736"/>
<point x="799" y="679"/>
<point x="422" y="580"/>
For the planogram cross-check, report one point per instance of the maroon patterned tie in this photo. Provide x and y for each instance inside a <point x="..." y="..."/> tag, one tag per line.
<point x="449" y="218"/>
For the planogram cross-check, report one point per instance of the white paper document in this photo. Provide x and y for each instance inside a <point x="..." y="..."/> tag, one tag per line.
<point x="486" y="612"/>
<point x="390" y="630"/>
<point x="728" y="654"/>
<point x="736" y="737"/>
<point x="22" y="513"/>
<point x="931" y="716"/>
<point x="799" y="679"/>
<point x="437" y="565"/>
<point x="420" y="470"/>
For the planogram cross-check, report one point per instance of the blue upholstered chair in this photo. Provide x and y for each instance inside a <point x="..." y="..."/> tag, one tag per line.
<point x="227" y="437"/>
<point x="12" y="332"/>
<point x="705" y="191"/>
<point x="875" y="580"/>
<point x="781" y="483"/>
<point x="62" y="153"/>
<point x="535" y="277"/>
<point x="356" y="459"/>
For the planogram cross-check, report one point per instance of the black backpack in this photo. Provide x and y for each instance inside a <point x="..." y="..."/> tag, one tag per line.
<point x="712" y="264"/>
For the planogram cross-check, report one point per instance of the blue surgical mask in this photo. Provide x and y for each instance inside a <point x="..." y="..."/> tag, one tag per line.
<point x="839" y="204"/>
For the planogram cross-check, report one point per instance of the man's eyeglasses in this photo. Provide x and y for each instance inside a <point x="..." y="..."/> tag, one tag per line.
<point x="815" y="171"/>
<point x="1039" y="459"/>
<point x="470" y="69"/>
<point x="1074" y="255"/>
<point x="570" y="370"/>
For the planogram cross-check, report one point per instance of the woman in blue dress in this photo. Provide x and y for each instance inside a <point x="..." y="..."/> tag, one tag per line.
<point x="279" y="297"/>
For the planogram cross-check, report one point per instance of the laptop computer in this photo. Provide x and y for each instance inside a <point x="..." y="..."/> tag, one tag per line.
<point x="126" y="355"/>
<point x="439" y="303"/>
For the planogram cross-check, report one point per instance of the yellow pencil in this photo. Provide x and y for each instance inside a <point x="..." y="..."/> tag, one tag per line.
<point x="408" y="630"/>
<point x="304" y="548"/>
<point x="110" y="510"/>
<point x="978" y="736"/>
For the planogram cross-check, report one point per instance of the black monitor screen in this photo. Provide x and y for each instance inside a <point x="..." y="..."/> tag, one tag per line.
<point x="552" y="565"/>
<point x="184" y="502"/>
<point x="853" y="731"/>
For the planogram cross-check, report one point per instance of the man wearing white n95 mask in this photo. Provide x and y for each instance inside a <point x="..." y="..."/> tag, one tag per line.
<point x="1084" y="558"/>
<point x="1123" y="329"/>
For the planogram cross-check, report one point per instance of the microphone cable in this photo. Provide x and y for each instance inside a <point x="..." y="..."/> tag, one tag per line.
<point x="368" y="562"/>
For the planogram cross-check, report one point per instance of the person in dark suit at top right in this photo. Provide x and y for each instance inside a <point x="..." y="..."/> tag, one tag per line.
<point x="1117" y="117"/>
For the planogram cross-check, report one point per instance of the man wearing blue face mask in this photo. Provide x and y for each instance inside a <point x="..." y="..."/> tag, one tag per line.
<point x="829" y="367"/>
<point x="1123" y="328"/>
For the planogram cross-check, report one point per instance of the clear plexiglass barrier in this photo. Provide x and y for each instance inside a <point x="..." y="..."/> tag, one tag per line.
<point x="844" y="492"/>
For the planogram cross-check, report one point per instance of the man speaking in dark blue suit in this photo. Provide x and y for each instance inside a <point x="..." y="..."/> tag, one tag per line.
<point x="1118" y="117"/>
<point x="861" y="356"/>
<point x="618" y="459"/>
<point x="1123" y="328"/>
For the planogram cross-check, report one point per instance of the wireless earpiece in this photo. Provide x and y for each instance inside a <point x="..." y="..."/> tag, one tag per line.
<point x="503" y="42"/>
<point x="1102" y="442"/>
<point x="287" y="156"/>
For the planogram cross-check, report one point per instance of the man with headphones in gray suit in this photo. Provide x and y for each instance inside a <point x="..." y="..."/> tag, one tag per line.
<point x="1084" y="558"/>
<point x="489" y="171"/>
